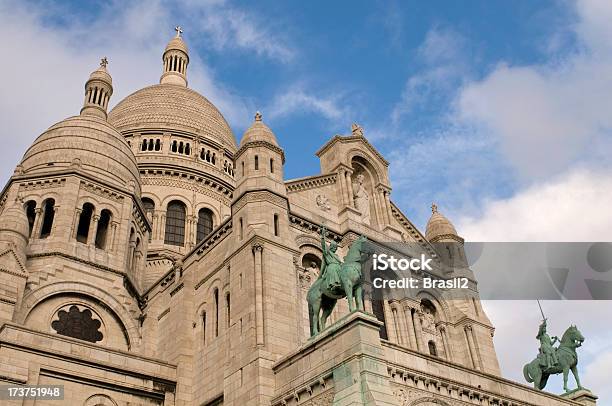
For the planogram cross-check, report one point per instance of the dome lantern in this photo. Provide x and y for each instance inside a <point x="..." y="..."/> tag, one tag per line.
<point x="175" y="60"/>
<point x="98" y="91"/>
<point x="439" y="228"/>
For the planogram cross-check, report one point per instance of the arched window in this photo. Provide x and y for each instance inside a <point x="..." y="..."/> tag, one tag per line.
<point x="216" y="298"/>
<point x="181" y="147"/>
<point x="102" y="232"/>
<point x="175" y="223"/>
<point x="276" y="225"/>
<point x="271" y="165"/>
<point x="84" y="222"/>
<point x="205" y="224"/>
<point x="432" y="348"/>
<point x="30" y="209"/>
<point x="48" y="213"/>
<point x="228" y="309"/>
<point x="157" y="145"/>
<point x="256" y="163"/>
<point x="187" y="149"/>
<point x="78" y="323"/>
<point x="173" y="146"/>
<point x="144" y="145"/>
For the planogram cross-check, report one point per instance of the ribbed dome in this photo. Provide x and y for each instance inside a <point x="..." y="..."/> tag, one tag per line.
<point x="176" y="43"/>
<point x="438" y="226"/>
<point x="89" y="143"/>
<point x="258" y="131"/>
<point x="172" y="107"/>
<point x="14" y="220"/>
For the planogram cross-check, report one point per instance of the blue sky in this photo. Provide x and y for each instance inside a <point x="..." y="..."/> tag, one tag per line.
<point x="499" y="111"/>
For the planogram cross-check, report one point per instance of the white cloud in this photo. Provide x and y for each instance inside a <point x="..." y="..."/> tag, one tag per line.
<point x="298" y="100"/>
<point x="50" y="64"/>
<point x="555" y="114"/>
<point x="572" y="207"/>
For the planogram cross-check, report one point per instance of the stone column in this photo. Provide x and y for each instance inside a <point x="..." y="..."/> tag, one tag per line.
<point x="93" y="229"/>
<point x="54" y="225"/>
<point x="259" y="313"/>
<point x="418" y="328"/>
<point x="349" y="184"/>
<point x="410" y="328"/>
<point x="377" y="208"/>
<point x="387" y="201"/>
<point x="471" y="347"/>
<point x="342" y="182"/>
<point x="447" y="353"/>
<point x="389" y="322"/>
<point x="113" y="236"/>
<point x="403" y="331"/>
<point x="37" y="222"/>
<point x="75" y="224"/>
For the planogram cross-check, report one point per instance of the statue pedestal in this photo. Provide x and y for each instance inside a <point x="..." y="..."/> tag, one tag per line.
<point x="343" y="364"/>
<point x="583" y="396"/>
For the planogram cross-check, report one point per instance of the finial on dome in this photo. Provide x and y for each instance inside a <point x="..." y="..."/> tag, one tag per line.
<point x="98" y="91"/>
<point x="258" y="116"/>
<point x="434" y="208"/>
<point x="356" y="129"/>
<point x="175" y="60"/>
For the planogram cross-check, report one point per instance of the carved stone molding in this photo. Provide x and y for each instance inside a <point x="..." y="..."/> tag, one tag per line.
<point x="311" y="182"/>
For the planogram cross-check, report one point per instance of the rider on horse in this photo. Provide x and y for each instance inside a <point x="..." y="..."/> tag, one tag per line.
<point x="330" y="266"/>
<point x="548" y="354"/>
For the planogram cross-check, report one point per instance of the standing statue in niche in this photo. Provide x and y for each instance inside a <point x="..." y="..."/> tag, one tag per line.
<point x="362" y="198"/>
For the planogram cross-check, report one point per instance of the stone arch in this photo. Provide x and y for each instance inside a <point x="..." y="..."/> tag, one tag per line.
<point x="171" y="197"/>
<point x="371" y="160"/>
<point x="99" y="400"/>
<point x="437" y="301"/>
<point x="153" y="197"/>
<point x="32" y="299"/>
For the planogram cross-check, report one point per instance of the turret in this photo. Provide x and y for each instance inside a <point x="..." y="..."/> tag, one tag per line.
<point x="98" y="91"/>
<point x="176" y="59"/>
<point x="259" y="172"/>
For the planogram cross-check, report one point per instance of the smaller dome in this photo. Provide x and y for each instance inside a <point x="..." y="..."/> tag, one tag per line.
<point x="438" y="226"/>
<point x="101" y="73"/>
<point x="258" y="131"/>
<point x="178" y="44"/>
<point x="14" y="219"/>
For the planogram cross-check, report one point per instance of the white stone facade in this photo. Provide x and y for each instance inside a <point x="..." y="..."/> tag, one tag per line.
<point x="148" y="258"/>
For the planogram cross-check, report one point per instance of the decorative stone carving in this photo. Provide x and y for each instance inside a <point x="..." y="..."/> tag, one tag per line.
<point x="77" y="323"/>
<point x="323" y="203"/>
<point x="362" y="198"/>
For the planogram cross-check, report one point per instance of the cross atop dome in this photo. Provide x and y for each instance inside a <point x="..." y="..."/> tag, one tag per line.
<point x="434" y="208"/>
<point x="178" y="30"/>
<point x="258" y="116"/>
<point x="103" y="62"/>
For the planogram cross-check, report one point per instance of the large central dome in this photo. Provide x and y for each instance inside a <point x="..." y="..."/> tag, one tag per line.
<point x="172" y="107"/>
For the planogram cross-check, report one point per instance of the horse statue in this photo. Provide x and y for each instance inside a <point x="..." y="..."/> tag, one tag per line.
<point x="565" y="357"/>
<point x="337" y="279"/>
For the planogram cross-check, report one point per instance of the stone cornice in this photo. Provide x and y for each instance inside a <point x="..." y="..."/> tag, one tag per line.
<point x="310" y="182"/>
<point x="187" y="174"/>
<point x="259" y="195"/>
<point x="266" y="144"/>
<point x="348" y="139"/>
<point x="447" y="236"/>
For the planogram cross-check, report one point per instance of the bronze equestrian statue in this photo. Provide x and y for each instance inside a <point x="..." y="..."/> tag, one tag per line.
<point x="337" y="279"/>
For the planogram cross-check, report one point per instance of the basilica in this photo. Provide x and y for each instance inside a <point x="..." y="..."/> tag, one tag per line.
<point x="149" y="256"/>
